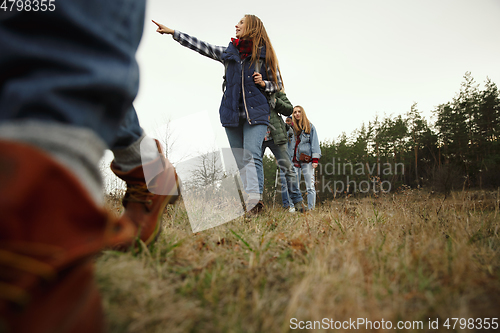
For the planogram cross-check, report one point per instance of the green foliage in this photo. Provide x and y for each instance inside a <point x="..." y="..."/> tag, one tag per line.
<point x="270" y="193"/>
<point x="461" y="149"/>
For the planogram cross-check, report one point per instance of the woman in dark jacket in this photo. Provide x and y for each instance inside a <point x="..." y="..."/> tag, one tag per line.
<point x="244" y="109"/>
<point x="277" y="140"/>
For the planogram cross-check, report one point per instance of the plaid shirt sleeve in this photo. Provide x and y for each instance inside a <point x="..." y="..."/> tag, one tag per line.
<point x="271" y="86"/>
<point x="215" y="52"/>
<point x="193" y="43"/>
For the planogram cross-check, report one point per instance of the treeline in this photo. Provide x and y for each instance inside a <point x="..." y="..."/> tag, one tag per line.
<point x="459" y="150"/>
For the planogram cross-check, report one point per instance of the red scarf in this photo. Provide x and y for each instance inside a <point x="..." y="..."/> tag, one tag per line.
<point x="244" y="47"/>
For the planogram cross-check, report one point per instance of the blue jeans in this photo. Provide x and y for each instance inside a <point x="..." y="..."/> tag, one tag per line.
<point x="285" y="165"/>
<point x="285" y="198"/>
<point x="129" y="130"/>
<point x="308" y="171"/>
<point x="77" y="67"/>
<point x="246" y="144"/>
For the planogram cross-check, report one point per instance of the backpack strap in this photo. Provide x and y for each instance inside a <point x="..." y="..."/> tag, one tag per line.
<point x="258" y="65"/>
<point x="224" y="80"/>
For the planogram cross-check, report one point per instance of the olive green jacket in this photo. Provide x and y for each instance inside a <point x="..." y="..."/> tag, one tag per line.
<point x="276" y="123"/>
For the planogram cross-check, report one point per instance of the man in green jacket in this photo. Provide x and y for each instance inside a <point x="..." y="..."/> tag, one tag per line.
<point x="276" y="140"/>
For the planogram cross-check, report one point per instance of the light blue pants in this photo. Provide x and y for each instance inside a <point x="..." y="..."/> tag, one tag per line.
<point x="308" y="171"/>
<point x="289" y="181"/>
<point x="246" y="143"/>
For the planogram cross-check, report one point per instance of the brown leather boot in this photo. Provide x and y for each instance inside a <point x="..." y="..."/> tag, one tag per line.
<point x="144" y="203"/>
<point x="50" y="230"/>
<point x="257" y="208"/>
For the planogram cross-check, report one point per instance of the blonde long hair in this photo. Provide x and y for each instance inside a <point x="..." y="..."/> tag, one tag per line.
<point x="256" y="31"/>
<point x="303" y="124"/>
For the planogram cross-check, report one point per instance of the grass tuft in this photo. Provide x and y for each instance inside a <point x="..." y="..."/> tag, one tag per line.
<point x="413" y="256"/>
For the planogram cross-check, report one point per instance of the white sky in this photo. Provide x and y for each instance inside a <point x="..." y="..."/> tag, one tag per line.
<point x="343" y="61"/>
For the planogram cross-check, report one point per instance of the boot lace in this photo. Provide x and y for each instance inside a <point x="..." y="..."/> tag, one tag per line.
<point x="25" y="262"/>
<point x="139" y="193"/>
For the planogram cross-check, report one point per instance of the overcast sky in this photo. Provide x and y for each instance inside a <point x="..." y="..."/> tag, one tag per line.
<point x="343" y="61"/>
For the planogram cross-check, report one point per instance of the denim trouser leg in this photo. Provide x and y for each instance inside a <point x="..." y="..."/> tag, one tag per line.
<point x="284" y="190"/>
<point x="129" y="131"/>
<point x="285" y="165"/>
<point x="308" y="171"/>
<point x="68" y="77"/>
<point x="72" y="66"/>
<point x="248" y="140"/>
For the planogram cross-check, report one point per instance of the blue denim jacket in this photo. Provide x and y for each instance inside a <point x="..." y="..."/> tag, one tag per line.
<point x="309" y="144"/>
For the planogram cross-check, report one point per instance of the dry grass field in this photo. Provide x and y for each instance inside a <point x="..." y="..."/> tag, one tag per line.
<point x="411" y="258"/>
